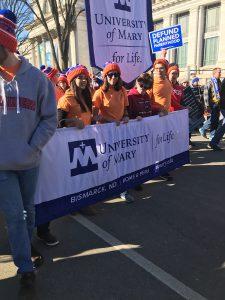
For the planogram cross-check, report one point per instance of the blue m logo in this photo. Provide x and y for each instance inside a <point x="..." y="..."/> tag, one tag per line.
<point x="122" y="5"/>
<point x="83" y="156"/>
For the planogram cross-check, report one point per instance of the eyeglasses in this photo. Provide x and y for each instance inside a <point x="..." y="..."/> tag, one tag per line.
<point x="115" y="75"/>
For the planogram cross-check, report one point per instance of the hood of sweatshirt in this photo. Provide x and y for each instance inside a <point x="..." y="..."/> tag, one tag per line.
<point x="27" y="117"/>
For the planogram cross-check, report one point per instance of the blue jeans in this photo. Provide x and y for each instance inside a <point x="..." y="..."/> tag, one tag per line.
<point x="220" y="131"/>
<point x="17" y="190"/>
<point x="212" y="122"/>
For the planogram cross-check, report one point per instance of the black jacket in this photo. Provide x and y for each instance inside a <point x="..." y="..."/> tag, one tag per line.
<point x="222" y="95"/>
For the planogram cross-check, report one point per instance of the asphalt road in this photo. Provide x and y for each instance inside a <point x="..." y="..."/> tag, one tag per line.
<point x="169" y="244"/>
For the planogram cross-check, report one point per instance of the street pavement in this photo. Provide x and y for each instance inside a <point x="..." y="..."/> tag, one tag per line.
<point x="169" y="244"/>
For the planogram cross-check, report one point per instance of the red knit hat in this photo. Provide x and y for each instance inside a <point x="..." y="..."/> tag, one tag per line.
<point x="50" y="72"/>
<point x="161" y="61"/>
<point x="173" y="68"/>
<point x="8" y="30"/>
<point x="76" y="71"/>
<point x="63" y="77"/>
<point x="111" y="67"/>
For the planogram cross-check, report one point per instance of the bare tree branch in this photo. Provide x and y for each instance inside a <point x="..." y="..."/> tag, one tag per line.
<point x="64" y="14"/>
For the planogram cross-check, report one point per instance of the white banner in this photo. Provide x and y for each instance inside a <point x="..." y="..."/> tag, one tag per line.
<point x="80" y="167"/>
<point x="118" y="32"/>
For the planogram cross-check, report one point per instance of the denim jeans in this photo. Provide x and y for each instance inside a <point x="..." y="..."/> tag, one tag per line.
<point x="17" y="190"/>
<point x="220" y="131"/>
<point x="212" y="122"/>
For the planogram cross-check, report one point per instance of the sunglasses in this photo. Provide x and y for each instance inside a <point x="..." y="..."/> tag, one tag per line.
<point x="115" y="75"/>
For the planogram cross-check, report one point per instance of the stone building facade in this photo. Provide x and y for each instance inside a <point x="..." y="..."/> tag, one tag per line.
<point x="203" y="25"/>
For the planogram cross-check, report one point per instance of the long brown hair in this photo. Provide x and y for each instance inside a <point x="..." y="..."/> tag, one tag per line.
<point x="86" y="94"/>
<point x="117" y="86"/>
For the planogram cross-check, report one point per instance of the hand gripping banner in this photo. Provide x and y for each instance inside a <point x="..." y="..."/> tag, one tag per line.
<point x="82" y="167"/>
<point x="118" y="32"/>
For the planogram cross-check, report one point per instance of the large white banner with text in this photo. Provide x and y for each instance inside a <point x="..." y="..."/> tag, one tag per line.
<point x="118" y="32"/>
<point x="81" y="167"/>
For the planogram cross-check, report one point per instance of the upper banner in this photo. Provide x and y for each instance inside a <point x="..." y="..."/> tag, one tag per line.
<point x="118" y="32"/>
<point x="81" y="167"/>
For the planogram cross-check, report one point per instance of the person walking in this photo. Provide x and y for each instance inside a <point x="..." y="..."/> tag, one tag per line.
<point x="27" y="122"/>
<point x="212" y="101"/>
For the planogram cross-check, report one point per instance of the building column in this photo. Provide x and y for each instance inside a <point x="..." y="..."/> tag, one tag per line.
<point x="39" y="55"/>
<point x="193" y="38"/>
<point x="173" y="21"/>
<point x="43" y="51"/>
<point x="33" y="56"/>
<point x="221" y="52"/>
<point x="73" y="48"/>
<point x="200" y="38"/>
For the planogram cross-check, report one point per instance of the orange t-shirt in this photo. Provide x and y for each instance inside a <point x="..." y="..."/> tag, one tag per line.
<point x="162" y="91"/>
<point x="69" y="104"/>
<point x="59" y="93"/>
<point x="111" y="104"/>
<point x="8" y="73"/>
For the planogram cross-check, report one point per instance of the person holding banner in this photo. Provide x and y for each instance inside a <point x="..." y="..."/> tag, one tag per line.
<point x="177" y="89"/>
<point x="27" y="122"/>
<point x="75" y="107"/>
<point x="76" y="104"/>
<point x="162" y="89"/>
<point x="212" y="101"/>
<point x="111" y="102"/>
<point x="140" y="103"/>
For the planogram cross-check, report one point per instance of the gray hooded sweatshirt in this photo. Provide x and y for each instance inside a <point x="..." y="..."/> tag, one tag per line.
<point x="28" y="117"/>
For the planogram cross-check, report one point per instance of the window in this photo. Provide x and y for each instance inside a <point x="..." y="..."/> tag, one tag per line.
<point x="158" y="24"/>
<point x="46" y="7"/>
<point x="211" y="35"/>
<point x="181" y="55"/>
<point x="182" y="52"/>
<point x="212" y="18"/>
<point x="211" y="51"/>
<point x="183" y="20"/>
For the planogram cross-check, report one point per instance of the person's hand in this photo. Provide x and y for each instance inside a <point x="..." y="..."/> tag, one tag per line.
<point x="163" y="113"/>
<point x="139" y="118"/>
<point x="208" y="110"/>
<point x="125" y="120"/>
<point x="79" y="124"/>
<point x="163" y="53"/>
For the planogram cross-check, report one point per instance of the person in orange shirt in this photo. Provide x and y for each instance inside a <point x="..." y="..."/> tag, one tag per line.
<point x="110" y="103"/>
<point x="162" y="88"/>
<point x="110" y="100"/>
<point x="162" y="91"/>
<point x="75" y="107"/>
<point x="76" y="104"/>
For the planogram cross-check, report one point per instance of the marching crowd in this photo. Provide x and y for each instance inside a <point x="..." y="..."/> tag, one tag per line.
<point x="29" y="118"/>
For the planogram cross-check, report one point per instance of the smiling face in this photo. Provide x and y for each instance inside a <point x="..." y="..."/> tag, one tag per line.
<point x="112" y="78"/>
<point x="173" y="76"/>
<point x="160" y="70"/>
<point x="62" y="85"/>
<point x="81" y="81"/>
